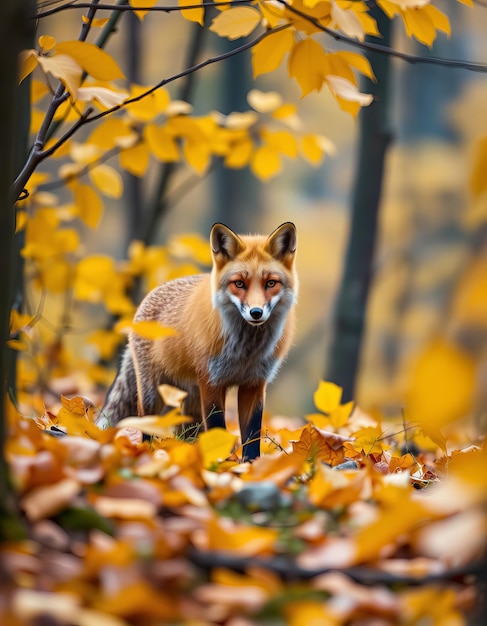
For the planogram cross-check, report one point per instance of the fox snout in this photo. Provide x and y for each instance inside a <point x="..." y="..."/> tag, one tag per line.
<point x="255" y="315"/>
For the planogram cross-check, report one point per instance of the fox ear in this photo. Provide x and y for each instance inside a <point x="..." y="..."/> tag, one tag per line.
<point x="282" y="243"/>
<point x="225" y="244"/>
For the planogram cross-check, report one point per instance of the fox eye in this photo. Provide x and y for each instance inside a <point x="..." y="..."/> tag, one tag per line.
<point x="239" y="284"/>
<point x="271" y="283"/>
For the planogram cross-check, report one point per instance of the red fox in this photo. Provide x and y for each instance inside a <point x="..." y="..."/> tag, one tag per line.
<point x="234" y="327"/>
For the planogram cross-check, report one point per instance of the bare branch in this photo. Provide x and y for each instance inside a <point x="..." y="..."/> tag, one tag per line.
<point x="368" y="45"/>
<point x="36" y="155"/>
<point x="195" y="68"/>
<point x="150" y="9"/>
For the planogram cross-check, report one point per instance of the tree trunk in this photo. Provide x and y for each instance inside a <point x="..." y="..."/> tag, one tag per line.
<point x="351" y="304"/>
<point x="15" y="30"/>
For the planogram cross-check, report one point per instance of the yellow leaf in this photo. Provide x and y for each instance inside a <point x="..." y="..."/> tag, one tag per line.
<point x="19" y="321"/>
<point x="148" y="329"/>
<point x="107" y="180"/>
<point x="108" y="132"/>
<point x="369" y="440"/>
<point x="329" y="488"/>
<point x="94" y="61"/>
<point x="439" y="19"/>
<point x="155" y="425"/>
<point x="419" y="25"/>
<point x="342" y="88"/>
<point x="307" y="62"/>
<point x="106" y="341"/>
<point x="161" y="143"/>
<point x="327" y="397"/>
<point x="21" y="219"/>
<point x="98" y="22"/>
<point x="409" y="4"/>
<point x="311" y="149"/>
<point x="97" y="281"/>
<point x="83" y="153"/>
<point x="150" y="105"/>
<point x="239" y="153"/>
<point x="88" y="204"/>
<point x="215" y="445"/>
<point x="46" y="42"/>
<point x="310" y="612"/>
<point x="190" y="246"/>
<point x="135" y="159"/>
<point x="264" y="101"/>
<point x="108" y="98"/>
<point x="470" y="301"/>
<point x="38" y="90"/>
<point x="441" y="388"/>
<point x="392" y="524"/>
<point x="265" y="162"/>
<point x="141" y="3"/>
<point x="478" y="180"/>
<point x="268" y="54"/>
<point x="172" y="396"/>
<point x="93" y="275"/>
<point x="281" y="140"/>
<point x="272" y="13"/>
<point x="193" y="15"/>
<point x="358" y="61"/>
<point x="65" y="68"/>
<point x="347" y="21"/>
<point x="284" y="111"/>
<point x="236" y="22"/>
<point x="224" y="534"/>
<point x="339" y="416"/>
<point x="56" y="275"/>
<point x="197" y="154"/>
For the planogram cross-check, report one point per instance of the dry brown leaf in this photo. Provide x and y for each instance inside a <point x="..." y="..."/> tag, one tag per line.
<point x="48" y="500"/>
<point x="125" y="508"/>
<point x="321" y="445"/>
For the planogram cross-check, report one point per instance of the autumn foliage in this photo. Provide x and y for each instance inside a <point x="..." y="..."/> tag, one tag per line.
<point x="342" y="517"/>
<point x="348" y="517"/>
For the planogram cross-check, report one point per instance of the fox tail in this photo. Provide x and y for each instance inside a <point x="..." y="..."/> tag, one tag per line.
<point x="121" y="399"/>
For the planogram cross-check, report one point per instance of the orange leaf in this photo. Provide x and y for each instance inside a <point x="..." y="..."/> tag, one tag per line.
<point x="278" y="468"/>
<point x="316" y="444"/>
<point x="226" y="535"/>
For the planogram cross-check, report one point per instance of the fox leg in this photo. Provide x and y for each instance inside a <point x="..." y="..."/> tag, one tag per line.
<point x="213" y="406"/>
<point x="191" y="408"/>
<point x="250" y="407"/>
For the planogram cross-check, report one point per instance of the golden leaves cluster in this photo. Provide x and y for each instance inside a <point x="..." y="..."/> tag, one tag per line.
<point x="117" y="522"/>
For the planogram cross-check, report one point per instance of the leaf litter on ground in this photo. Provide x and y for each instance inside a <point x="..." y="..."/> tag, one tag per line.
<point x="344" y="519"/>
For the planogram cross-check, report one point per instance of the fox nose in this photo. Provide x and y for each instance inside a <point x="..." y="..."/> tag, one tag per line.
<point x="256" y="313"/>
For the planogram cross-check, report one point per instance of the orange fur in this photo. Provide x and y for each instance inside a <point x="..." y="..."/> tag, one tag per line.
<point x="234" y="328"/>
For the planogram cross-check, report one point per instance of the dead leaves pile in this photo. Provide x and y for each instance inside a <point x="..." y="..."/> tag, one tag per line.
<point x="342" y="520"/>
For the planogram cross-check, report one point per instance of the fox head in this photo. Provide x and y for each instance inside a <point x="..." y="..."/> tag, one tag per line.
<point x="253" y="274"/>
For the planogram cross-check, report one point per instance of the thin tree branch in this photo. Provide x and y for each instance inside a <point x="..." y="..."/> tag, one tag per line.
<point x="408" y="58"/>
<point x="36" y="154"/>
<point x="372" y="47"/>
<point x="158" y="203"/>
<point x="106" y="32"/>
<point x="61" y="182"/>
<point x="85" y="119"/>
<point x="150" y="9"/>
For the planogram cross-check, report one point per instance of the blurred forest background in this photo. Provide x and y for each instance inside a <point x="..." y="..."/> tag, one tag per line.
<point x="430" y="265"/>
